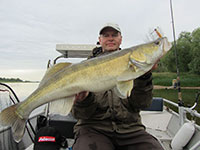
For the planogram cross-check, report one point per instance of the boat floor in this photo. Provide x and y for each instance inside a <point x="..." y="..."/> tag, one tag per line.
<point x="156" y="123"/>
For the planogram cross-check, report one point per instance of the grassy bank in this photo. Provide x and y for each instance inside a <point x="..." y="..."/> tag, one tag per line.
<point x="165" y="79"/>
<point x="188" y="95"/>
<point x="186" y="79"/>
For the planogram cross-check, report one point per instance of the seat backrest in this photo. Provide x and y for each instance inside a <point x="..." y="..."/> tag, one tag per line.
<point x="156" y="105"/>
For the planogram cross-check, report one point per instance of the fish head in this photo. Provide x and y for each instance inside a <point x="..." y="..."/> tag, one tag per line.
<point x="150" y="53"/>
<point x="166" y="45"/>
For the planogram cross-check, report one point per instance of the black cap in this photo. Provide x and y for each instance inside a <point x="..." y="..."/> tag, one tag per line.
<point x="47" y="138"/>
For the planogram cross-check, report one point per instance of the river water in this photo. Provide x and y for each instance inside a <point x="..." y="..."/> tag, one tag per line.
<point x="22" y="90"/>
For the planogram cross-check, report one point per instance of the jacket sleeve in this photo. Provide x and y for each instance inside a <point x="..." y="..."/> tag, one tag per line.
<point x="84" y="109"/>
<point x="141" y="96"/>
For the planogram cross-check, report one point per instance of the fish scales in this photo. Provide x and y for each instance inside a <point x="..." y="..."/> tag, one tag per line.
<point x="77" y="73"/>
<point x="62" y="82"/>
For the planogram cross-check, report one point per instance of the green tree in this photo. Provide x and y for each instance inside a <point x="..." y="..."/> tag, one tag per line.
<point x="188" y="54"/>
<point x="183" y="50"/>
<point x="168" y="62"/>
<point x="194" y="65"/>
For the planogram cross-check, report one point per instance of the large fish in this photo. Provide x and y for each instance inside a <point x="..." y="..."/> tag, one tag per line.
<point x="115" y="70"/>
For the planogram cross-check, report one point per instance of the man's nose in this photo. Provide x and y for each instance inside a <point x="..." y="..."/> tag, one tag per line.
<point x="110" y="37"/>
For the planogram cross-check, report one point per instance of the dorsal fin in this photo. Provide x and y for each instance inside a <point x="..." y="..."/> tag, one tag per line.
<point x="53" y="70"/>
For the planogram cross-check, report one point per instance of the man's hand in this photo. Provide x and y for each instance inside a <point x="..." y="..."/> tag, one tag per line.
<point x="81" y="96"/>
<point x="155" y="66"/>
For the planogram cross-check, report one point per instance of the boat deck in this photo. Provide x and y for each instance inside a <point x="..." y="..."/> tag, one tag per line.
<point x="156" y="123"/>
<point x="163" y="125"/>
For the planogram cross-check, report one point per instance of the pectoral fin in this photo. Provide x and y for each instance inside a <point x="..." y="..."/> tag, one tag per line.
<point x="123" y="89"/>
<point x="61" y="106"/>
<point x="129" y="74"/>
<point x="138" y="60"/>
<point x="133" y="70"/>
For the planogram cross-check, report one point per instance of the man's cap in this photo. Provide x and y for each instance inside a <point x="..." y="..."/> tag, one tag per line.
<point x="111" y="25"/>
<point x="47" y="138"/>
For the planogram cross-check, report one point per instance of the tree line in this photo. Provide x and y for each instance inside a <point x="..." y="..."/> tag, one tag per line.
<point x="10" y="80"/>
<point x="188" y="54"/>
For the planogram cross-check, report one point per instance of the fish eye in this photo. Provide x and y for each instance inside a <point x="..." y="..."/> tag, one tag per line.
<point x="157" y="42"/>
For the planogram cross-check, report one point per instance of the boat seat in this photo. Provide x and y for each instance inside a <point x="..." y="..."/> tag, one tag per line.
<point x="64" y="124"/>
<point x="156" y="105"/>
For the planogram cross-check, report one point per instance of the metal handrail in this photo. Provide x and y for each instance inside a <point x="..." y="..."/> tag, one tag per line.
<point x="17" y="99"/>
<point x="170" y="102"/>
<point x="189" y="110"/>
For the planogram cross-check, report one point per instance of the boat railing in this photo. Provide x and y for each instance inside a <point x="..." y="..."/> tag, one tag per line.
<point x="182" y="111"/>
<point x="182" y="115"/>
<point x="170" y="102"/>
<point x="14" y="99"/>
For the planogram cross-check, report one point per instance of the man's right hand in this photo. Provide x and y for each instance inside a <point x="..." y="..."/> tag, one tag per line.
<point x="81" y="96"/>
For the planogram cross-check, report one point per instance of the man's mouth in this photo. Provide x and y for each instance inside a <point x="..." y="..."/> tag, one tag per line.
<point x="110" y="44"/>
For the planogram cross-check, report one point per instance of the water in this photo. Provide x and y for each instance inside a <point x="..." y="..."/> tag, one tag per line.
<point x="22" y="90"/>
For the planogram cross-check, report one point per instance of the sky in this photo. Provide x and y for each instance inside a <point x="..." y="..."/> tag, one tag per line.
<point x="30" y="29"/>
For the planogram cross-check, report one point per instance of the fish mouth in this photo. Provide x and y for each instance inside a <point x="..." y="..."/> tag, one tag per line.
<point x="166" y="44"/>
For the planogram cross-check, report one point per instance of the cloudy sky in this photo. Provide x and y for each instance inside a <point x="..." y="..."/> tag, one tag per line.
<point x="30" y="29"/>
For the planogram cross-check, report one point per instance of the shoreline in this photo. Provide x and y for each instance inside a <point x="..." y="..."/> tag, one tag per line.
<point x="157" y="87"/>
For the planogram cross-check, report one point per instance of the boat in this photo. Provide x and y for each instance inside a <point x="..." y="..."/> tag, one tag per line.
<point x="172" y="129"/>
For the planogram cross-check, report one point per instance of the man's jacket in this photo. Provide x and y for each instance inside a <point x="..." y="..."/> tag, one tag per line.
<point x="106" y="112"/>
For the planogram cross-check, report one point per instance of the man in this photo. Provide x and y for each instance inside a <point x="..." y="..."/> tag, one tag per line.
<point x="106" y="122"/>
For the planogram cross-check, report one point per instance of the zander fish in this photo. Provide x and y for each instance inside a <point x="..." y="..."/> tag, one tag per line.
<point x="63" y="81"/>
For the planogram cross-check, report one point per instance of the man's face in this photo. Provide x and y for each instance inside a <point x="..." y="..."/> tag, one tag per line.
<point x="110" y="39"/>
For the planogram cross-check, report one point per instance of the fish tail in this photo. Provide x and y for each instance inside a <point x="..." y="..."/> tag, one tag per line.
<point x="9" y="117"/>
